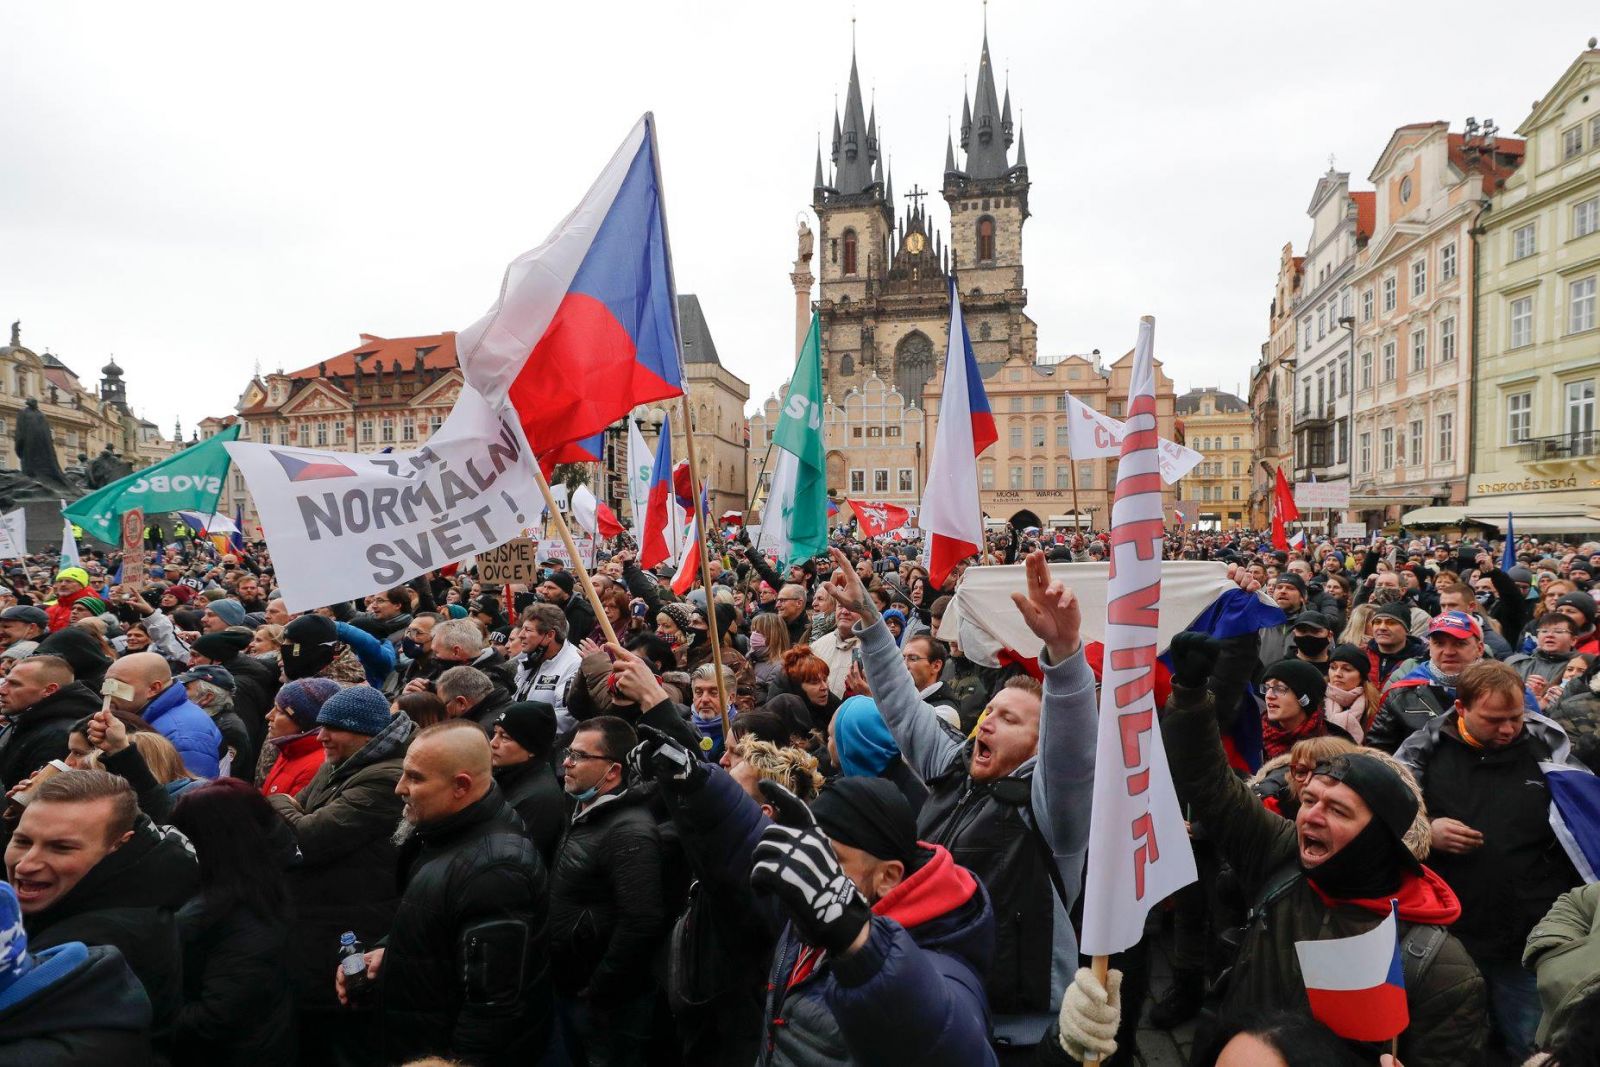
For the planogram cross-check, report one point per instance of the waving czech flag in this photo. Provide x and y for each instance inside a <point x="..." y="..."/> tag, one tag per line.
<point x="586" y="325"/>
<point x="656" y="546"/>
<point x="1356" y="985"/>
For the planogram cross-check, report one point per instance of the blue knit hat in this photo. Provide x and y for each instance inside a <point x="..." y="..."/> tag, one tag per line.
<point x="14" y="959"/>
<point x="865" y="744"/>
<point x="229" y="611"/>
<point x="359" y="709"/>
<point x="303" y="699"/>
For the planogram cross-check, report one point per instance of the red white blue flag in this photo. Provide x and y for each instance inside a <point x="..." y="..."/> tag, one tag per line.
<point x="950" y="515"/>
<point x="1355" y="984"/>
<point x="586" y="324"/>
<point x="656" y="544"/>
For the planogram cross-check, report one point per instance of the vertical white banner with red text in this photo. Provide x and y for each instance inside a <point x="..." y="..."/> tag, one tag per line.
<point x="1138" y="848"/>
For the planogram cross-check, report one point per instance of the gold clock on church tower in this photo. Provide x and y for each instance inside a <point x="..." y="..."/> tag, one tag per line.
<point x="915" y="243"/>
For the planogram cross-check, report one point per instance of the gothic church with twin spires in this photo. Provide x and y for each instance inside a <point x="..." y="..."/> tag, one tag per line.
<point x="884" y="269"/>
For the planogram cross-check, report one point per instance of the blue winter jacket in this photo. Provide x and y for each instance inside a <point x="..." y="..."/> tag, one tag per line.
<point x="377" y="657"/>
<point x="927" y="980"/>
<point x="186" y="724"/>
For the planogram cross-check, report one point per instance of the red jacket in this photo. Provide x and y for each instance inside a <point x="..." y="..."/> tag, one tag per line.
<point x="60" y="613"/>
<point x="298" y="761"/>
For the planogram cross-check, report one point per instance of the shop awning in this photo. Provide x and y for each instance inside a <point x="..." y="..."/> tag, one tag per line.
<point x="1435" y="516"/>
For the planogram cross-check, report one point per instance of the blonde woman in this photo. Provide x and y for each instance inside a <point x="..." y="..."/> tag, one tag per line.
<point x="1355" y="631"/>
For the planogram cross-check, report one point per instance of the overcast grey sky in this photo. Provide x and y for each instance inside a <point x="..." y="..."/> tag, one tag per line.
<point x="196" y="187"/>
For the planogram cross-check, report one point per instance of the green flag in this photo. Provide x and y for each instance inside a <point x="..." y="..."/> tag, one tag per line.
<point x="795" y="521"/>
<point x="189" y="481"/>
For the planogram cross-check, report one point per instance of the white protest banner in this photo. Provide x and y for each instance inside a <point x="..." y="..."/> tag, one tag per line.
<point x="346" y="525"/>
<point x="1138" y="846"/>
<point x="14" y="525"/>
<point x="556" y="549"/>
<point x="516" y="561"/>
<point x="1322" y="494"/>
<point x="1351" y="531"/>
<point x="1092" y="435"/>
<point x="640" y="462"/>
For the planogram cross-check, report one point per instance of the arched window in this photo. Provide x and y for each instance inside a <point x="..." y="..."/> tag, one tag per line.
<point x="913" y="365"/>
<point x="849" y="251"/>
<point x="847" y="365"/>
<point x="985" y="239"/>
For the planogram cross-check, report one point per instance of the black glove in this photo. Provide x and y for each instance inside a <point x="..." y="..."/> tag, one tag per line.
<point x="1193" y="655"/>
<point x="666" y="760"/>
<point x="796" y="863"/>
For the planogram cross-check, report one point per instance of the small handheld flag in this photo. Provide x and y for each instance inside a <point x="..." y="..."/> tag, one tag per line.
<point x="1508" y="558"/>
<point x="1355" y="984"/>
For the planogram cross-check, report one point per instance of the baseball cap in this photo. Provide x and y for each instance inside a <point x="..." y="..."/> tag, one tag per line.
<point x="1313" y="619"/>
<point x="1456" y="624"/>
<point x="220" y="677"/>
<point x="25" y="613"/>
<point x="1393" y="804"/>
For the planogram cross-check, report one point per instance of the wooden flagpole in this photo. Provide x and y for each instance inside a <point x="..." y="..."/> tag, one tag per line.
<point x="577" y="560"/>
<point x="705" y="568"/>
<point x="1101" y="967"/>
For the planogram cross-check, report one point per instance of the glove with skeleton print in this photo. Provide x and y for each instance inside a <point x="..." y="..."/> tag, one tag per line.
<point x="796" y="863"/>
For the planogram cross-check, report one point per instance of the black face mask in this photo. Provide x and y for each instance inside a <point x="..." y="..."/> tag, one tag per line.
<point x="1365" y="868"/>
<point x="1311" y="644"/>
<point x="412" y="649"/>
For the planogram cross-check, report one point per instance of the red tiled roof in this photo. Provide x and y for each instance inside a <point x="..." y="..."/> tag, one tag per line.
<point x="1366" y="212"/>
<point x="389" y="350"/>
<point x="1496" y="167"/>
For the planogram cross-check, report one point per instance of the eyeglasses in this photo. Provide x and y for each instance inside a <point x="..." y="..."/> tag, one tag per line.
<point x="1276" y="689"/>
<point x="1301" y="771"/>
<point x="912" y="657"/>
<point x="573" y="755"/>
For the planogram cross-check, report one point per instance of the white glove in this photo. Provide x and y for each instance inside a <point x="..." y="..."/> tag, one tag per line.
<point x="1090" y="1014"/>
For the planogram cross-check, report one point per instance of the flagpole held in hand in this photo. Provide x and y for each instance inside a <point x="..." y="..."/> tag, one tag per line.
<point x="1101" y="966"/>
<point x="577" y="560"/>
<point x="705" y="569"/>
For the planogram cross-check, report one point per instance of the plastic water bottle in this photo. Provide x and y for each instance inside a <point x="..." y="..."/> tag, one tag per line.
<point x="353" y="965"/>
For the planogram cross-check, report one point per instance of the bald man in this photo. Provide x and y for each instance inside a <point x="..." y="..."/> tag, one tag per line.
<point x="476" y="887"/>
<point x="166" y="706"/>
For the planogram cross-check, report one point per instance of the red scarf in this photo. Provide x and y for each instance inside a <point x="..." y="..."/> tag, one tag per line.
<point x="1276" y="741"/>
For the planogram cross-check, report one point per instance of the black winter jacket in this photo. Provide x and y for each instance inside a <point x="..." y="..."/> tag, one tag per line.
<point x="1406" y="708"/>
<point x="1508" y="884"/>
<point x="466" y="965"/>
<point x="238" y="1009"/>
<point x="78" y="1005"/>
<point x="344" y="877"/>
<point x="130" y="900"/>
<point x="39" y="735"/>
<point x="534" y="792"/>
<point x="607" y="908"/>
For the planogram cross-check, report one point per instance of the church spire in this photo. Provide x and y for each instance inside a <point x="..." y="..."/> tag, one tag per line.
<point x="986" y="146"/>
<point x="857" y="149"/>
<point x="816" y="181"/>
<point x="1005" y="117"/>
<point x="949" y="155"/>
<point x="1022" y="152"/>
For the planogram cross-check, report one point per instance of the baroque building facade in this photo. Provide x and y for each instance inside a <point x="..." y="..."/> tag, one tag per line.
<point x="1536" y="449"/>
<point x="83" y="421"/>
<point x="1414" y="311"/>
<point x="1341" y="221"/>
<point x="1272" y="390"/>
<point x="1218" y="425"/>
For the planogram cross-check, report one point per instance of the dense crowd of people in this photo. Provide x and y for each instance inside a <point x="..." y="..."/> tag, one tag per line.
<point x="789" y="824"/>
